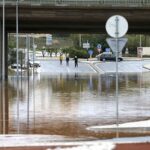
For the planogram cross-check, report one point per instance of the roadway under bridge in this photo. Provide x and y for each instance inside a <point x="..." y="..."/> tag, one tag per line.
<point x="69" y="16"/>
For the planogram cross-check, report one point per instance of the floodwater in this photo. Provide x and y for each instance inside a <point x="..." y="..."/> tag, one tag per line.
<point x="65" y="105"/>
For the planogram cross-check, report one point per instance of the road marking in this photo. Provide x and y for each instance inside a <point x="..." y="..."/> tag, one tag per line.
<point x="95" y="68"/>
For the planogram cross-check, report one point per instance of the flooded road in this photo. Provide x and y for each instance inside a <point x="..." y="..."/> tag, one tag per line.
<point x="66" y="104"/>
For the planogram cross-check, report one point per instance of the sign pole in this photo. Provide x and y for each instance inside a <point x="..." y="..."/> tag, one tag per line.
<point x="87" y="43"/>
<point x="117" y="50"/>
<point x="116" y="27"/>
<point x="3" y="71"/>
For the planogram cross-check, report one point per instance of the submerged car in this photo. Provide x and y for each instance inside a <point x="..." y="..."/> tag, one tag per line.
<point x="107" y="57"/>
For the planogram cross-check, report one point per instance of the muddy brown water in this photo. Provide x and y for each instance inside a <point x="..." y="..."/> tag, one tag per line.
<point x="66" y="105"/>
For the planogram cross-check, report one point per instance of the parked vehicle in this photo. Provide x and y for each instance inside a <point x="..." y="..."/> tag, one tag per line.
<point x="34" y="64"/>
<point x="14" y="66"/>
<point x="107" y="56"/>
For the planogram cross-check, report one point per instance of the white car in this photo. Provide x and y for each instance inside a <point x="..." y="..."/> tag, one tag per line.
<point x="14" y="66"/>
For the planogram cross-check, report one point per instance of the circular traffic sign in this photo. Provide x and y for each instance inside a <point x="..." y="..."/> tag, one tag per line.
<point x="116" y="26"/>
<point x="99" y="46"/>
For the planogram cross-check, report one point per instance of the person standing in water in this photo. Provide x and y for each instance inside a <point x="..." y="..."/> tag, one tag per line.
<point x="67" y="60"/>
<point x="76" y="61"/>
<point x="61" y="58"/>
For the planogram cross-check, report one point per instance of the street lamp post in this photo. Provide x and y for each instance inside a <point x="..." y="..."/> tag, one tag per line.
<point x="17" y="61"/>
<point x="3" y="70"/>
<point x="3" y="48"/>
<point x="17" y="36"/>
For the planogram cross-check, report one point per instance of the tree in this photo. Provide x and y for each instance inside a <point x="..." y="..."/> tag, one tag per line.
<point x="93" y="39"/>
<point x="12" y="57"/>
<point x="134" y="42"/>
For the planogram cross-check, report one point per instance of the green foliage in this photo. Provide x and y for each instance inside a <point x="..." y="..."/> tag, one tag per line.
<point x="12" y="57"/>
<point x="80" y="53"/>
<point x="73" y="43"/>
<point x="134" y="42"/>
<point x="93" y="39"/>
<point x="51" y="50"/>
<point x="11" y="44"/>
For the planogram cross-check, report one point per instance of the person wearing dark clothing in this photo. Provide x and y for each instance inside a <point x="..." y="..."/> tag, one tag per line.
<point x="76" y="61"/>
<point x="67" y="60"/>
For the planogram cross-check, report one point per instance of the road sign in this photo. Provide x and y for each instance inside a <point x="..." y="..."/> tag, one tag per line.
<point x="116" y="26"/>
<point x="107" y="49"/>
<point x="99" y="50"/>
<point x="90" y="52"/>
<point x="140" y="52"/>
<point x="86" y="45"/>
<point x="99" y="46"/>
<point x="113" y="44"/>
<point x="48" y="39"/>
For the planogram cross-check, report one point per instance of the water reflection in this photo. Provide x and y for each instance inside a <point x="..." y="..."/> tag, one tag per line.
<point x="67" y="104"/>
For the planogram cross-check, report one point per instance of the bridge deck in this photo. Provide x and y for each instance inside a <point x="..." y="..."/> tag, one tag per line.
<point x="84" y="16"/>
<point x="83" y="3"/>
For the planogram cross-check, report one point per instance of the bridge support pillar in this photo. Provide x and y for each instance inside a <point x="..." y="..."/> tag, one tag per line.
<point x="1" y="50"/>
<point x="3" y="61"/>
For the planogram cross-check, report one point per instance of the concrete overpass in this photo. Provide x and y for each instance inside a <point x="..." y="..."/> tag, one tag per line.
<point x="84" y="16"/>
<point x="74" y="16"/>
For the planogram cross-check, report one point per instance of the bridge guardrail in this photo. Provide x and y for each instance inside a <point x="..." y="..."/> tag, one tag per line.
<point x="81" y="3"/>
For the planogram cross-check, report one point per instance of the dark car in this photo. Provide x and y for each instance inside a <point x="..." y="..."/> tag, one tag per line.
<point x="34" y="64"/>
<point x="108" y="57"/>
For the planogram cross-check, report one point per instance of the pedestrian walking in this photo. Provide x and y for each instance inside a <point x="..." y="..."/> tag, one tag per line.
<point x="67" y="60"/>
<point x="61" y="58"/>
<point x="76" y="61"/>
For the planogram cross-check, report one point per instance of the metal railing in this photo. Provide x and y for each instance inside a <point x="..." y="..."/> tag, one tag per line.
<point x="82" y="3"/>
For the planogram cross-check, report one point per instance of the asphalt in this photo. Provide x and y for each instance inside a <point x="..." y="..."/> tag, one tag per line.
<point x="128" y="65"/>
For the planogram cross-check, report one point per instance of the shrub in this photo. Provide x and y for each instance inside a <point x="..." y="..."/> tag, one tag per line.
<point x="80" y="53"/>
